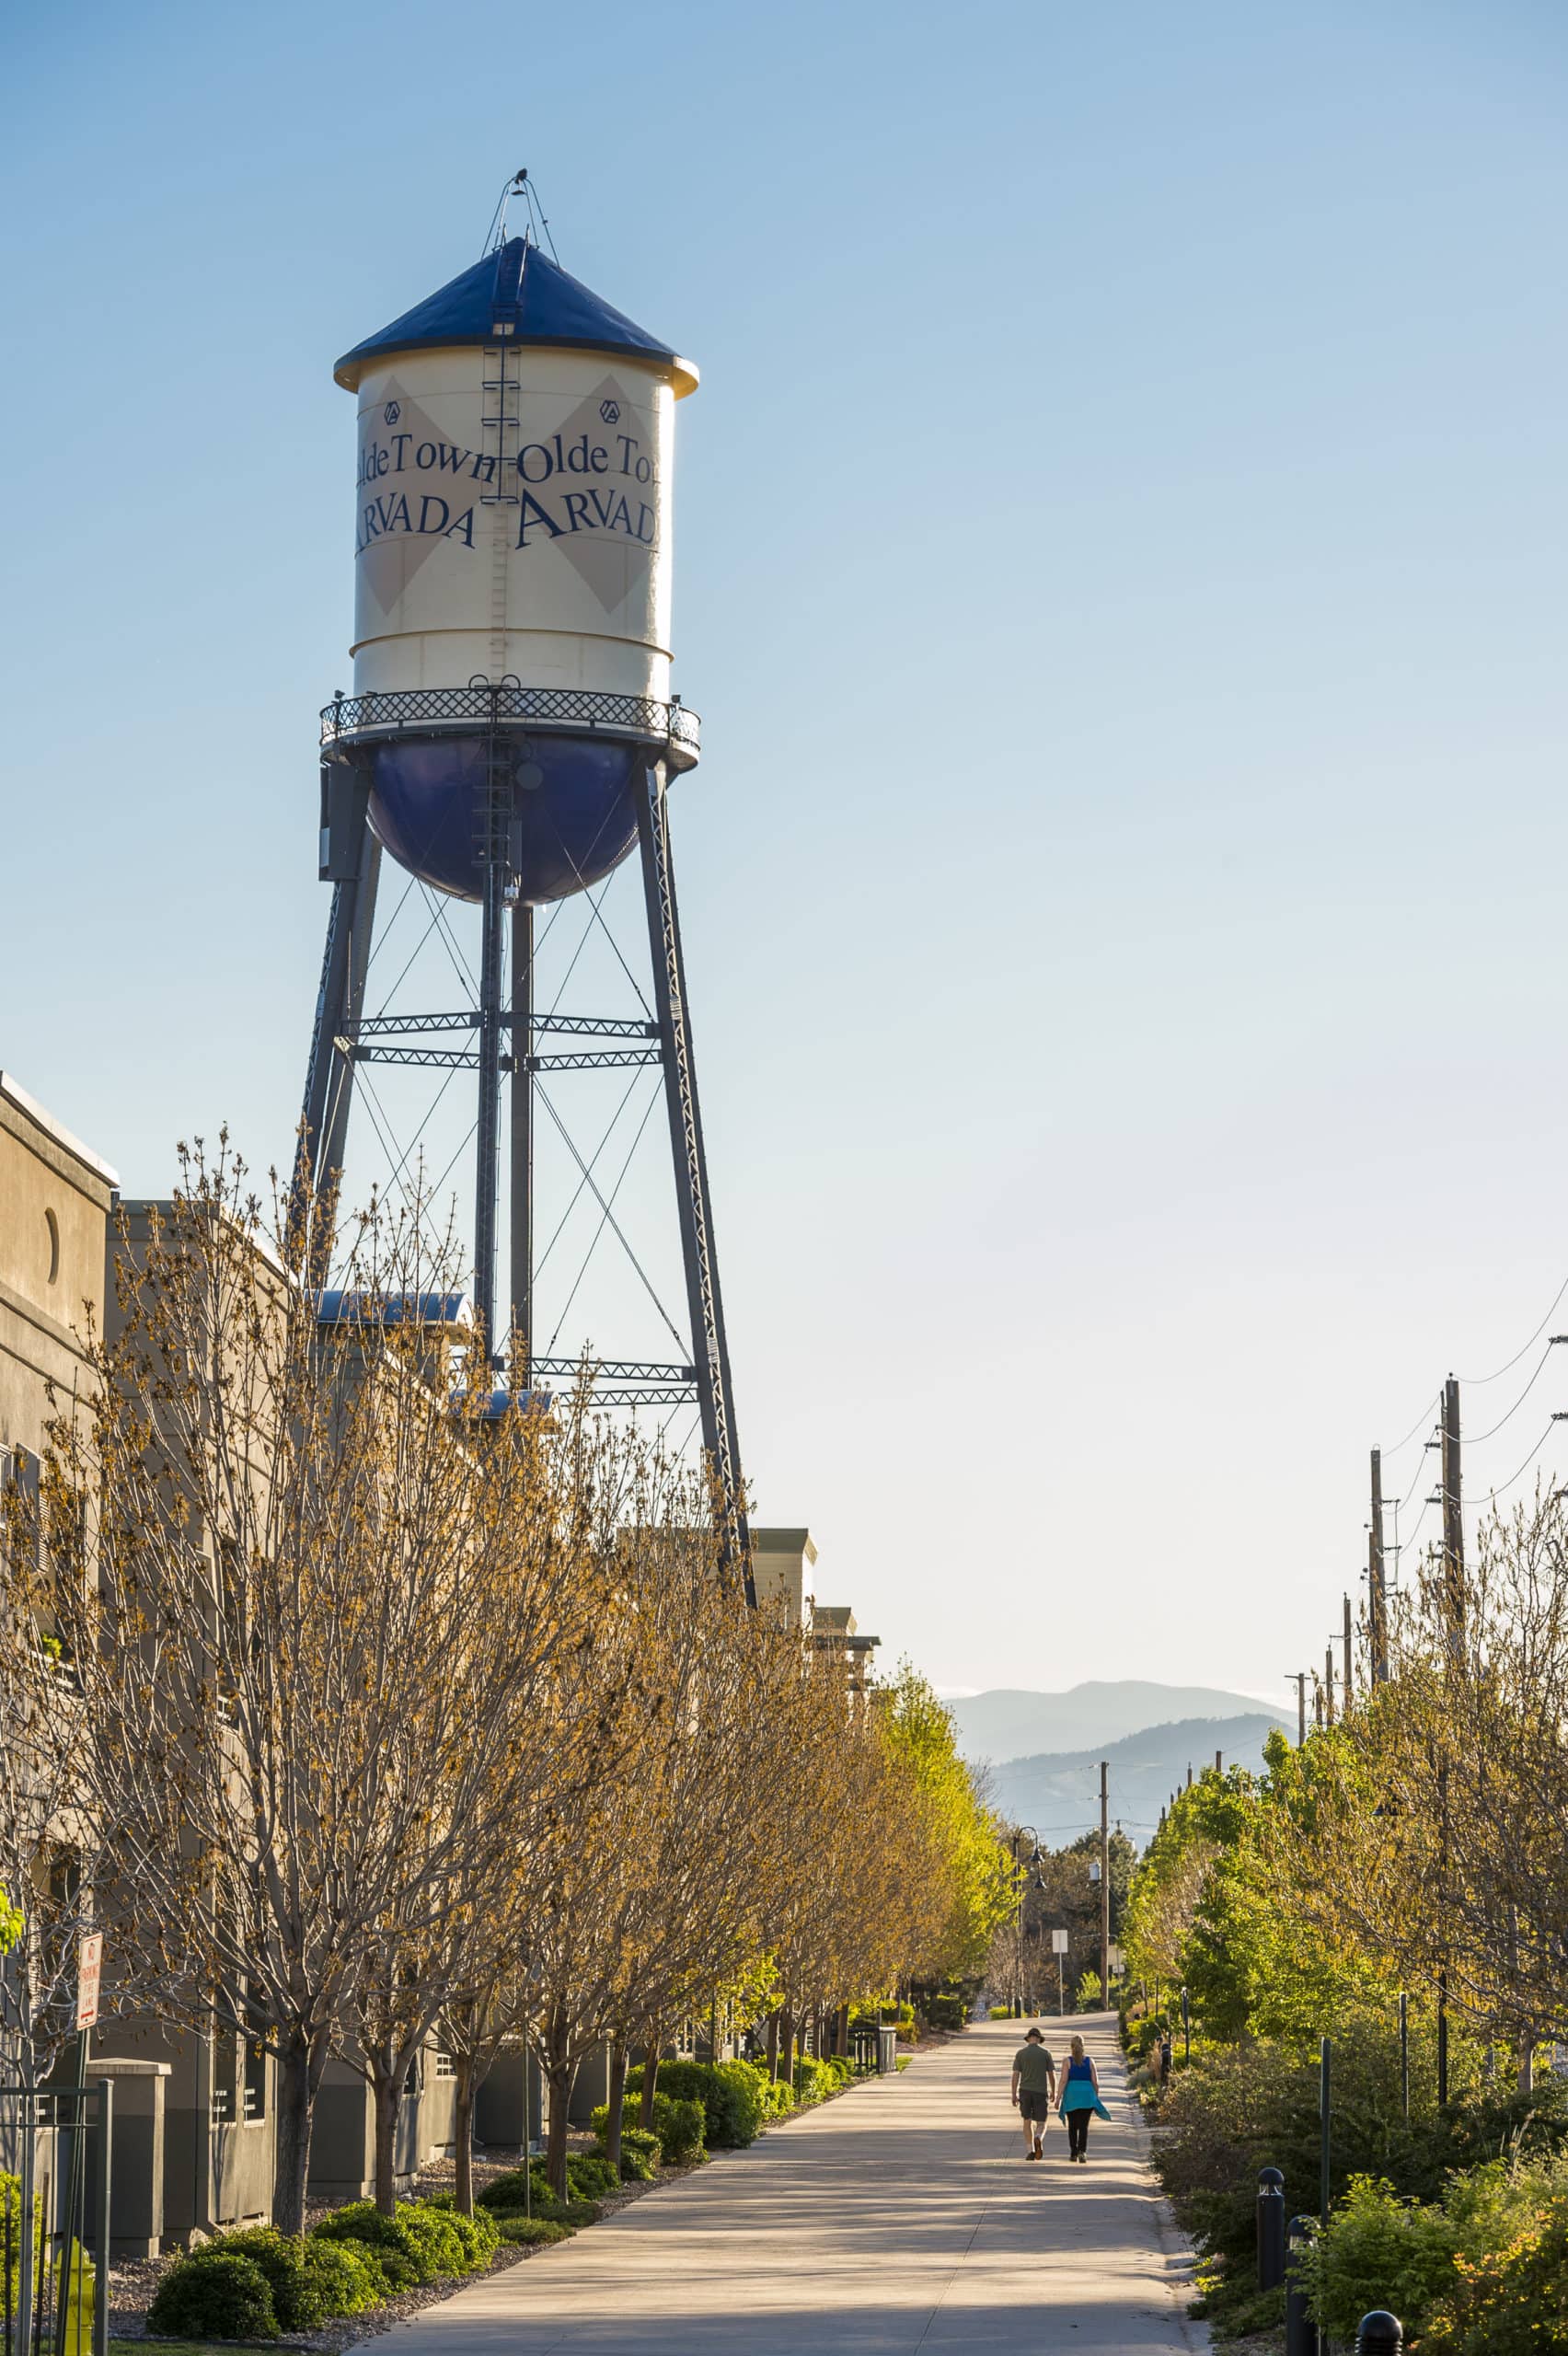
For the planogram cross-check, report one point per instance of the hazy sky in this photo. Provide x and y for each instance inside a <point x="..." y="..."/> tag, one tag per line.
<point x="1121" y="565"/>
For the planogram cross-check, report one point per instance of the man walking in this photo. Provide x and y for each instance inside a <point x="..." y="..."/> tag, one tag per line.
<point x="1034" y="2084"/>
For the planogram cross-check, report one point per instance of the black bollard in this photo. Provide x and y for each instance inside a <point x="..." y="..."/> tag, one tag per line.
<point x="1300" y="2331"/>
<point x="1378" y="2333"/>
<point x="1271" y="2228"/>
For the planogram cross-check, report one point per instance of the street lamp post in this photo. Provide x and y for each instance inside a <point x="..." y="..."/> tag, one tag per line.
<point x="1020" y="1882"/>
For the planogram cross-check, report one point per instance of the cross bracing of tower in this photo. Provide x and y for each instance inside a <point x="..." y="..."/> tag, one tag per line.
<point x="600" y="1183"/>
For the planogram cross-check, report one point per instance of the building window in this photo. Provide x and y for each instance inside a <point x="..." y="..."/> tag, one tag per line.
<point x="53" y="1226"/>
<point x="255" y="2086"/>
<point x="444" y="2065"/>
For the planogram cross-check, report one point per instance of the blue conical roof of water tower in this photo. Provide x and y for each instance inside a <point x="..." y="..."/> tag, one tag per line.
<point x="519" y="292"/>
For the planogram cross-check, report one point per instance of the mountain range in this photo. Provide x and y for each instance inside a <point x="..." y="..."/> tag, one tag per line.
<point x="1043" y="1751"/>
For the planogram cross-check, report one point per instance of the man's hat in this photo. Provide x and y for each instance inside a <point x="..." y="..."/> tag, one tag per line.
<point x="1031" y="2032"/>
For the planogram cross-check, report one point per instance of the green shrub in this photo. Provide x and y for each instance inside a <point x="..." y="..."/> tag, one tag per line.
<point x="310" y="2281"/>
<point x="477" y="2233"/>
<point x="640" y="2156"/>
<point x="480" y="2238"/>
<point x="731" y="2093"/>
<point x="437" y="2237"/>
<point x="814" y="2081"/>
<point x="1139" y="2036"/>
<point x="398" y="2250"/>
<point x="503" y="2194"/>
<point x="1001" y="2011"/>
<point x="641" y="2151"/>
<point x="590" y="2176"/>
<point x="680" y="2121"/>
<point x="11" y="2219"/>
<point x="340" y="2278"/>
<point x="527" y="2231"/>
<point x="1379" y="2251"/>
<point x="1513" y="2301"/>
<point x="220" y="2296"/>
<point x="777" y="2097"/>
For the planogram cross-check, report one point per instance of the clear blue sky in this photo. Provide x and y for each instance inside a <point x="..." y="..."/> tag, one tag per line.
<point x="1121" y="565"/>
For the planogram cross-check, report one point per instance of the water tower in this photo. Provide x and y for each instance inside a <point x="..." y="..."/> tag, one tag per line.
<point x="512" y="737"/>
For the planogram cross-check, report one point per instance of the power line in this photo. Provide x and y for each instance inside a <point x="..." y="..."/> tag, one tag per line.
<point x="1520" y="1473"/>
<point x="1476" y="1381"/>
<point x="1519" y="1403"/>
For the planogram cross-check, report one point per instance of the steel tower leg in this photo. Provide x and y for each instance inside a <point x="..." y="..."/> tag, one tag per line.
<point x="495" y="850"/>
<point x="350" y="852"/>
<point x="710" y="1347"/>
<point x="523" y="1143"/>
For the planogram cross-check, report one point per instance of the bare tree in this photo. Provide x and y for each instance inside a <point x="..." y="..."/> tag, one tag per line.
<point x="309" y="1636"/>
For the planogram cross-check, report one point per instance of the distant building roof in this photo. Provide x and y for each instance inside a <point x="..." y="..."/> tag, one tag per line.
<point x="833" y="1627"/>
<point x="784" y="1541"/>
<point x="493" y="1407"/>
<point x="516" y="291"/>
<point x="430" y="1308"/>
<point x="56" y="1130"/>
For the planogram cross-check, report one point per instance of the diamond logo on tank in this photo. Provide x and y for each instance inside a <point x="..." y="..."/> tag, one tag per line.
<point x="591" y="490"/>
<point x="416" y="492"/>
<point x="587" y="488"/>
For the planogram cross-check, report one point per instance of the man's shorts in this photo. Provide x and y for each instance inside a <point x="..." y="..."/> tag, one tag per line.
<point x="1033" y="2105"/>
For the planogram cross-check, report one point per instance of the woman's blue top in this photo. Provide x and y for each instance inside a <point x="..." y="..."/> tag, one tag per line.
<point x="1078" y="2092"/>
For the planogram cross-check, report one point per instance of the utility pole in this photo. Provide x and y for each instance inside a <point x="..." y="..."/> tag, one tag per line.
<point x="1443" y="1967"/>
<point x="1453" y="1518"/>
<point x="1298" y="1678"/>
<point x="1349" y="1641"/>
<point x="1219" y="1763"/>
<point x="1329" y="1683"/>
<point x="1376" y="1581"/>
<point x="1318" y="1705"/>
<point x="1104" y="1887"/>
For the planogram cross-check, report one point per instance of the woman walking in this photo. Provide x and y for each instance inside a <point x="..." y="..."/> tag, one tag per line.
<point x="1080" y="2096"/>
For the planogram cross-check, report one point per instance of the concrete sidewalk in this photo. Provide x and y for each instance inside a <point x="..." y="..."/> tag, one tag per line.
<point x="902" y="2216"/>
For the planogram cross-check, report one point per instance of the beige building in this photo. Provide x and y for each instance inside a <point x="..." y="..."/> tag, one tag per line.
<point x="783" y="1568"/>
<point x="55" y="1199"/>
<point x="193" y="2114"/>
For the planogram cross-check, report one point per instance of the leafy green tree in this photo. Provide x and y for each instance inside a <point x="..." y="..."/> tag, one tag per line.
<point x="977" y="1877"/>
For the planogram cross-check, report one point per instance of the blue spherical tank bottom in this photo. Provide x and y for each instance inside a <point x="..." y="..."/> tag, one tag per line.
<point x="572" y="800"/>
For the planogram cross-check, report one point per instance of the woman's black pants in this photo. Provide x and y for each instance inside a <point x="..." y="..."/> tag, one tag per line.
<point x="1078" y="2132"/>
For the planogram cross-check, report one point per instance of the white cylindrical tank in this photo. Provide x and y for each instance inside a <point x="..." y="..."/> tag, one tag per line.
<point x="513" y="514"/>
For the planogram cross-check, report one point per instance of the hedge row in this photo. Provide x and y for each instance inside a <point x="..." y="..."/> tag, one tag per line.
<point x="258" y="2283"/>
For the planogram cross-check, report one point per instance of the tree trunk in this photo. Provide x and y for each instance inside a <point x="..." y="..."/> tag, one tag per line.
<point x="773" y="2045"/>
<point x="558" y="2078"/>
<point x="616" y="2107"/>
<point x="384" y="2091"/>
<point x="650" y="2083"/>
<point x="291" y="2154"/>
<point x="463" y="2132"/>
<point x="786" y="2050"/>
<point x="841" y="2031"/>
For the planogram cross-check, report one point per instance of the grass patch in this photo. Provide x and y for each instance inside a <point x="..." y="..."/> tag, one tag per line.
<point x="188" y="2348"/>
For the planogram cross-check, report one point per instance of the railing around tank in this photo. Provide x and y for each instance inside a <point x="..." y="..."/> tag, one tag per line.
<point x="481" y="705"/>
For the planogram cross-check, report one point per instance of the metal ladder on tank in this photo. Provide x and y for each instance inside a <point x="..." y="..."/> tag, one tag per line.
<point x="500" y="426"/>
